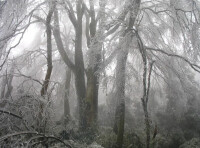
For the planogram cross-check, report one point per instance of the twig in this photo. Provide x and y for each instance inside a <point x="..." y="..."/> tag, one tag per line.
<point x="149" y="79"/>
<point x="12" y="114"/>
<point x="192" y="65"/>
<point x="36" y="133"/>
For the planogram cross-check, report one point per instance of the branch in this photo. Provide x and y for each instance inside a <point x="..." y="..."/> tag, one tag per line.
<point x="59" y="43"/>
<point x="71" y="13"/>
<point x="36" y="133"/>
<point x="31" y="139"/>
<point x="39" y="19"/>
<point x="21" y="21"/>
<point x="192" y="65"/>
<point x="87" y="31"/>
<point x="116" y="23"/>
<point x="29" y="23"/>
<point x="19" y="41"/>
<point x="111" y="31"/>
<point x="149" y="80"/>
<point x="9" y="113"/>
<point x="86" y="8"/>
<point x="144" y="59"/>
<point x="52" y="137"/>
<point x="109" y="59"/>
<point x="29" y="77"/>
<point x="93" y="21"/>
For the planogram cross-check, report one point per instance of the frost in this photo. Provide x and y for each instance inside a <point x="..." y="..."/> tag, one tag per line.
<point x="194" y="143"/>
<point x="95" y="145"/>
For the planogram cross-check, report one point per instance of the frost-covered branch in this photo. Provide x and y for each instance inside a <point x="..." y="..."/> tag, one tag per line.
<point x="192" y="65"/>
<point x="10" y="113"/>
<point x="34" y="133"/>
<point x="22" y="32"/>
<point x="70" y="11"/>
<point x="19" y="41"/>
<point x="59" y="43"/>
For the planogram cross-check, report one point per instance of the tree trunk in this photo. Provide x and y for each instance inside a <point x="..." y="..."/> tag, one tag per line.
<point x="120" y="117"/>
<point x="3" y="86"/>
<point x="95" y="48"/>
<point x="146" y="87"/>
<point x="147" y="124"/>
<point x="120" y="95"/>
<point x="9" y="83"/>
<point x="49" y="51"/>
<point x="121" y="73"/>
<point x="41" y="125"/>
<point x="79" y="68"/>
<point x="92" y="99"/>
<point x="66" y="97"/>
<point x="6" y="87"/>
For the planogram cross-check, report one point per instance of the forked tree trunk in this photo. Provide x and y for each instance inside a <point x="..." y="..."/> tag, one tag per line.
<point x="94" y="40"/>
<point x="146" y="87"/>
<point x="78" y="67"/>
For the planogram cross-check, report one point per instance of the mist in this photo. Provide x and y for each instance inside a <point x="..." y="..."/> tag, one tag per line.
<point x="99" y="73"/>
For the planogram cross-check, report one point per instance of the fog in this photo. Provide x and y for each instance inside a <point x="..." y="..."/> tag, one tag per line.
<point x="99" y="73"/>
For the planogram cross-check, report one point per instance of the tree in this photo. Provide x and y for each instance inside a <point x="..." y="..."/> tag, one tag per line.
<point x="124" y="43"/>
<point x="153" y="44"/>
<point x="87" y="96"/>
<point x="66" y="96"/>
<point x="49" y="64"/>
<point x="78" y="67"/>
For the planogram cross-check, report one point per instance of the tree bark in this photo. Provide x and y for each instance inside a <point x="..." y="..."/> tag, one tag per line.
<point x="66" y="96"/>
<point x="78" y="67"/>
<point x="121" y="73"/>
<point x="9" y="83"/>
<point x="120" y="95"/>
<point x="87" y="96"/>
<point x="146" y="87"/>
<point x="6" y="87"/>
<point x="3" y="86"/>
<point x="41" y="125"/>
<point x="92" y="99"/>
<point x="95" y="48"/>
<point x="49" y="51"/>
